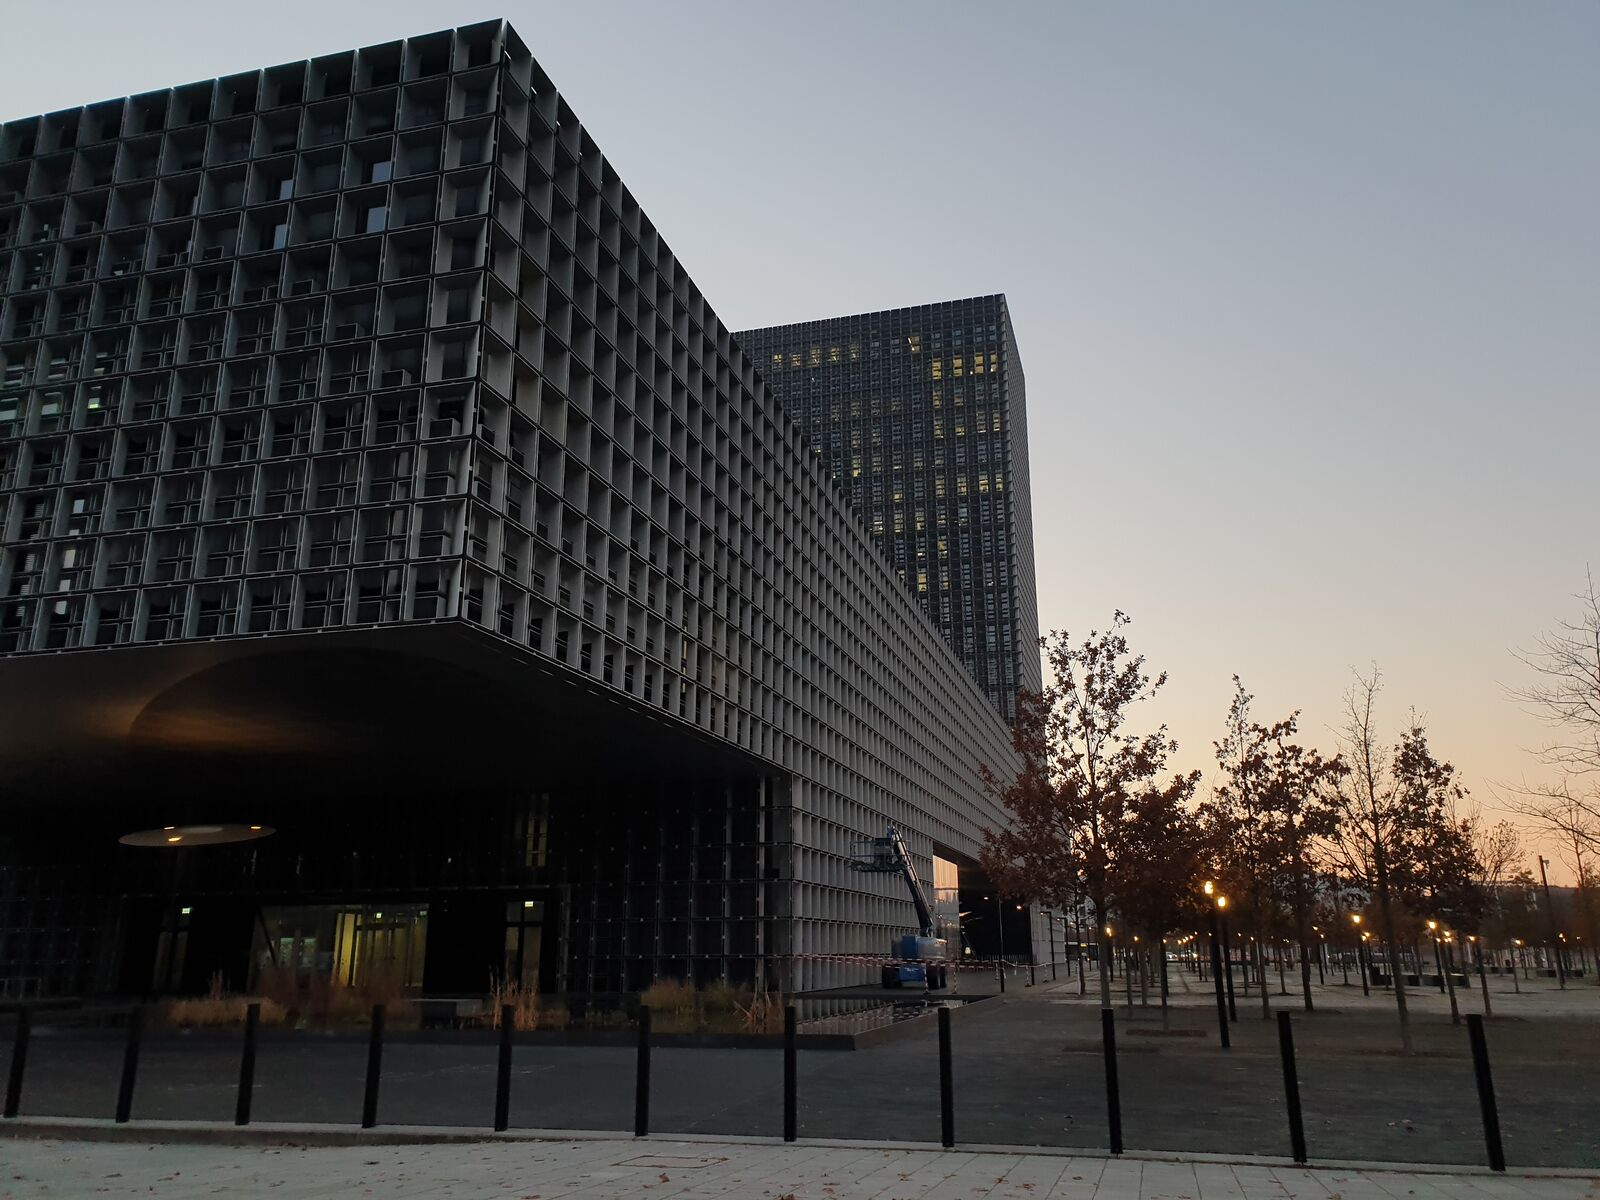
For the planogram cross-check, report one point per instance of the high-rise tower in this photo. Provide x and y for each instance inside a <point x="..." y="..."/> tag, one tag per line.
<point x="920" y="414"/>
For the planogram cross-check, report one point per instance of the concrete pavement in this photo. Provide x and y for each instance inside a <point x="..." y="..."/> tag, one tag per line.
<point x="606" y="1167"/>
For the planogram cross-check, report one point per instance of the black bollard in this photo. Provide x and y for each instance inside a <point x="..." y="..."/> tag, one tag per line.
<point x="369" y="1101"/>
<point x="791" y="1116"/>
<point x="1032" y="977"/>
<point x="19" y="1060"/>
<point x="1291" y="1088"/>
<point x="247" y="1064"/>
<point x="502" y="1083"/>
<point x="1491" y="1113"/>
<point x="947" y="1087"/>
<point x="641" y="1090"/>
<point x="1108" y="1037"/>
<point x="130" y="1064"/>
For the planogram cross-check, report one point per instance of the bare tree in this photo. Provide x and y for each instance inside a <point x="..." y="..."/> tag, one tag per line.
<point x="1372" y="815"/>
<point x="1571" y="824"/>
<point x="1499" y="850"/>
<point x="1566" y="693"/>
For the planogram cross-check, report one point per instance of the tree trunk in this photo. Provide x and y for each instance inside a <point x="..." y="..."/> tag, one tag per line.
<point x="1104" y="940"/>
<point x="1165" y="1016"/>
<point x="1386" y="913"/>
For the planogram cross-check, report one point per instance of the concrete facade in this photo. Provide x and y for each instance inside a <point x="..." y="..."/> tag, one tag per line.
<point x="364" y="386"/>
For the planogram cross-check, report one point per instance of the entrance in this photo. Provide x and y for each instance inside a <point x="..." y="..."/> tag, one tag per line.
<point x="352" y="945"/>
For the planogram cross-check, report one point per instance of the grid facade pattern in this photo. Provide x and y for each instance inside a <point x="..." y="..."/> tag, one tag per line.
<point x="382" y="338"/>
<point x="920" y="415"/>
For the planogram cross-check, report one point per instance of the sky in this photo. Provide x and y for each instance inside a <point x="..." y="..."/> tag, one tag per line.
<point x="1307" y="295"/>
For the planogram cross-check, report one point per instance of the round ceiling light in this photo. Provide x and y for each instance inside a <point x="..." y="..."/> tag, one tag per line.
<point x="179" y="836"/>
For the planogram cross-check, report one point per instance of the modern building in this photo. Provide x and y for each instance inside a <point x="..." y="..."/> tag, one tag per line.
<point x="920" y="415"/>
<point x="398" y="552"/>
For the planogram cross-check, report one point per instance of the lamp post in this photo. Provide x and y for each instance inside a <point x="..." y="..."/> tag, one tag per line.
<point x="1483" y="975"/>
<point x="1213" y="910"/>
<point x="1550" y="909"/>
<point x="1227" y="956"/>
<point x="1000" y="925"/>
<point x="1439" y="960"/>
<point x="1516" y="953"/>
<point x="1450" y="975"/>
<point x="1361" y="958"/>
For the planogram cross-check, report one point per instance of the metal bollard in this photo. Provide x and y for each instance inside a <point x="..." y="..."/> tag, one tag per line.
<point x="1491" y="1112"/>
<point x="1032" y="978"/>
<point x="247" y="1064"/>
<point x="641" y="1091"/>
<point x="1108" y="1037"/>
<point x="130" y="1064"/>
<point x="369" y="1101"/>
<point x="1291" y="1088"/>
<point x="19" y="1060"/>
<point x="791" y="1116"/>
<point x="502" y="1082"/>
<point x="947" y="1099"/>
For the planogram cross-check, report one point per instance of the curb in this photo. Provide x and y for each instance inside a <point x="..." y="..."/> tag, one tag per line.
<point x="217" y="1133"/>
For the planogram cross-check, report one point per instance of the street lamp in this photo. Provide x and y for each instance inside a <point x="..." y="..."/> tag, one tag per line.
<point x="1438" y="958"/>
<point x="1214" y="915"/>
<point x="1361" y="958"/>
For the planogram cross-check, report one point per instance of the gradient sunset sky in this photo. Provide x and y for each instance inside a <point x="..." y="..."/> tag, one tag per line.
<point x="1308" y="296"/>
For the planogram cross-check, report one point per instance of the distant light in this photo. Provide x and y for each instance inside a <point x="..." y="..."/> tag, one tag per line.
<point x="175" y="838"/>
<point x="528" y="903"/>
<point x="184" y="911"/>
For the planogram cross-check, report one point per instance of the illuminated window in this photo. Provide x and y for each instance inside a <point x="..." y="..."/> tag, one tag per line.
<point x="914" y="340"/>
<point x="937" y="367"/>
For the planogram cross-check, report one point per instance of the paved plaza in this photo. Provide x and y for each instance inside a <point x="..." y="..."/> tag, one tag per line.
<point x="699" y="1170"/>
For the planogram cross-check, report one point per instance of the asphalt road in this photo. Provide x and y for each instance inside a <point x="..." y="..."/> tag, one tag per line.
<point x="1027" y="1072"/>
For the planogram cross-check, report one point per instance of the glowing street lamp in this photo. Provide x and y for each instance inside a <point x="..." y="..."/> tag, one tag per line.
<point x="1214" y="912"/>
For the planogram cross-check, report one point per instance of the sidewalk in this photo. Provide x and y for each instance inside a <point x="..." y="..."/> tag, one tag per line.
<point x="1538" y="997"/>
<point x="609" y="1167"/>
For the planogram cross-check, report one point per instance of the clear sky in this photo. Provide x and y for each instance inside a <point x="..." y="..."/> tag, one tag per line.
<point x="1308" y="295"/>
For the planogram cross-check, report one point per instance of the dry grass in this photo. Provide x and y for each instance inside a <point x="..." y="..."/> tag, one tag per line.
<point x="219" y="1009"/>
<point x="676" y="1007"/>
<point x="526" y="1012"/>
<point x="326" y="1001"/>
<point x="218" y="1012"/>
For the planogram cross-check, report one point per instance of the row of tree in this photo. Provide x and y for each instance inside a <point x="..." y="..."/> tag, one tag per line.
<point x="1297" y="839"/>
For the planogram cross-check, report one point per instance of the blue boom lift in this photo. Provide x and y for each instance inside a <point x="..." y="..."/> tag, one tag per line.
<point x="922" y="954"/>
